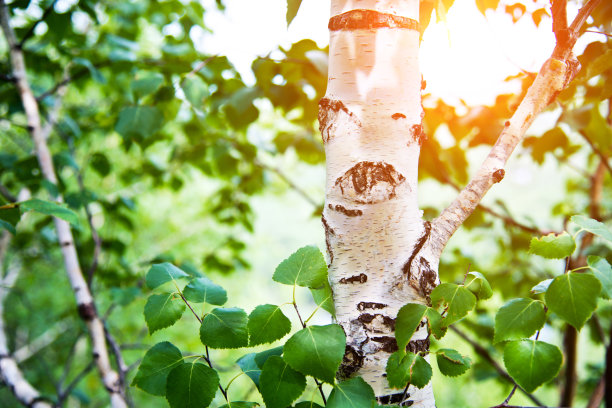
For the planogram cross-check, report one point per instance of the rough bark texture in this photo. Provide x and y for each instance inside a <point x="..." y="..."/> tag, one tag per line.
<point x="370" y="120"/>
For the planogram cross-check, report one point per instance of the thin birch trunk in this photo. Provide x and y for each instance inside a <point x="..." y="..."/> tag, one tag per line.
<point x="85" y="303"/>
<point x="370" y="120"/>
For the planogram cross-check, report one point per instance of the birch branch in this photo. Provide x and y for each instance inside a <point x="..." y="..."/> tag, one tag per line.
<point x="10" y="374"/>
<point x="554" y="76"/>
<point x="85" y="303"/>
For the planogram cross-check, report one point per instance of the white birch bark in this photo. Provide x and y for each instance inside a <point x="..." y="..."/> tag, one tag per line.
<point x="370" y="120"/>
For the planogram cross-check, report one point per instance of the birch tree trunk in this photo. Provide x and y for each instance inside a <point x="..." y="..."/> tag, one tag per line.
<point x="370" y="121"/>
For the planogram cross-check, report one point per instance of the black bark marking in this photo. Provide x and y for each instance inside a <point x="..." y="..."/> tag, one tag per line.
<point x="362" y="19"/>
<point x="427" y="280"/>
<point x="498" y="175"/>
<point x="423" y="83"/>
<point x="66" y="244"/>
<point x="397" y="398"/>
<point x="398" y="115"/>
<point x="361" y="182"/>
<point x="345" y="211"/>
<point x="417" y="248"/>
<point x="370" y="305"/>
<point x="351" y="362"/>
<point x="328" y="111"/>
<point x="389" y="344"/>
<point x="361" y="278"/>
<point x="87" y="311"/>
<point x="377" y="323"/>
<point x="507" y="123"/>
<point x="416" y="346"/>
<point x="328" y="231"/>
<point x="418" y="134"/>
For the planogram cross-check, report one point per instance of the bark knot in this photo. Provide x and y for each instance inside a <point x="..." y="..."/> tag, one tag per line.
<point x="370" y="182"/>
<point x="498" y="175"/>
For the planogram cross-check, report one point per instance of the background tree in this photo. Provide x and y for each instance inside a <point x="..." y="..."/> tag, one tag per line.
<point x="134" y="115"/>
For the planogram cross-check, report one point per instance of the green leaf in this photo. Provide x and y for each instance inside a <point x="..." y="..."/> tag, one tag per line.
<point x="49" y="208"/>
<point x="323" y="298"/>
<point x="603" y="271"/>
<point x="434" y="320"/>
<point x="353" y="393"/>
<point x="204" y="290"/>
<point x="479" y="285"/>
<point x="139" y="122"/>
<point x="156" y="364"/>
<point x="519" y="319"/>
<point x="195" y="90"/>
<point x="451" y="363"/>
<point x="267" y="323"/>
<point x="248" y="366"/>
<point x="553" y="246"/>
<point x="191" y="385"/>
<point x="146" y="84"/>
<point x="162" y="273"/>
<point x="240" y="404"/>
<point x="292" y="9"/>
<point x="532" y="363"/>
<point x="225" y="328"/>
<point x="573" y="297"/>
<point x="307" y="404"/>
<point x="305" y="267"/>
<point x="162" y="311"/>
<point x="279" y="384"/>
<point x="408" y="368"/>
<point x="252" y="363"/>
<point x="408" y="320"/>
<point x="262" y="356"/>
<point x="541" y="287"/>
<point x="9" y="217"/>
<point x="316" y="351"/>
<point x="593" y="226"/>
<point x="457" y="299"/>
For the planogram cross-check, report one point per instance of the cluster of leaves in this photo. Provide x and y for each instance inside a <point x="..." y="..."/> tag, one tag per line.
<point x="572" y="297"/>
<point x="278" y="373"/>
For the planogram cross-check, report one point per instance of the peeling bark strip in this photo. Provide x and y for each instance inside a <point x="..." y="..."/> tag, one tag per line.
<point x="328" y="111"/>
<point x="417" y="248"/>
<point x="351" y="362"/>
<point x="370" y="305"/>
<point x="362" y="19"/>
<point x="345" y="211"/>
<point x="427" y="280"/>
<point x="361" y="182"/>
<point x="418" y="134"/>
<point x="328" y="231"/>
<point x="389" y="344"/>
<point x="361" y="278"/>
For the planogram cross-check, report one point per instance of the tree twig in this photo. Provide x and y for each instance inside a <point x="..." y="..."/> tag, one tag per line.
<point x="484" y="353"/>
<point x="554" y="76"/>
<point x="42" y="18"/>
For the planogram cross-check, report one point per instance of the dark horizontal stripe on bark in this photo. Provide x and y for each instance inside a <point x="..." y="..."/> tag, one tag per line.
<point x="370" y="305"/>
<point x="394" y="399"/>
<point x="345" y="211"/>
<point x="361" y="278"/>
<point x="367" y="19"/>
